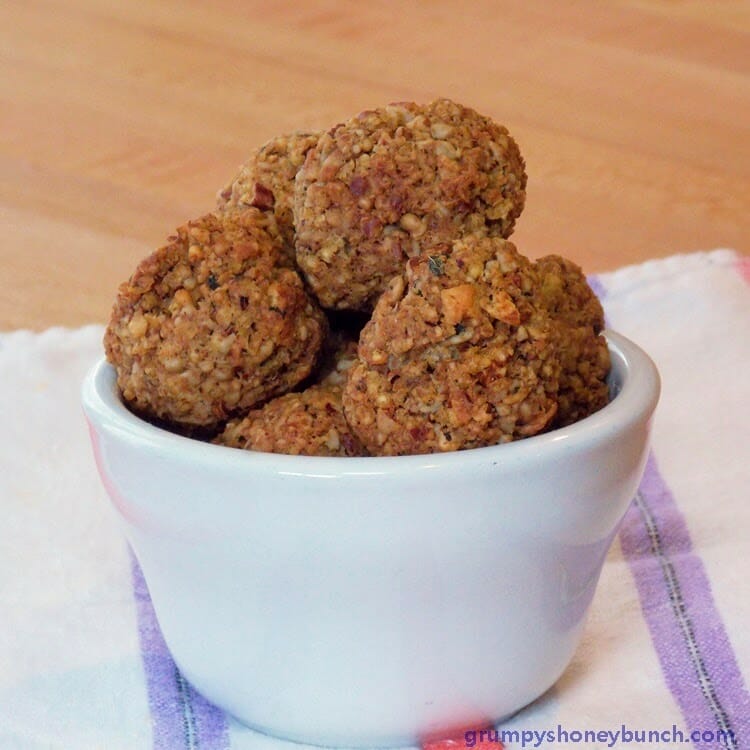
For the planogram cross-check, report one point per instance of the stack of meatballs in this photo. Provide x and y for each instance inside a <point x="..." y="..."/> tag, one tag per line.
<point x="354" y="293"/>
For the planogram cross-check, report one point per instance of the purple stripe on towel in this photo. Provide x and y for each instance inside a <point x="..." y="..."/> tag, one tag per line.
<point x="689" y="636"/>
<point x="181" y="717"/>
<point x="596" y="284"/>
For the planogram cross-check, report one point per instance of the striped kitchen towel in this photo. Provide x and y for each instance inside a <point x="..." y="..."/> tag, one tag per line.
<point x="666" y="652"/>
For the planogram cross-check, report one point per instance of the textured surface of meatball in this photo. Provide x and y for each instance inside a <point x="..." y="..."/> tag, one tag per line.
<point x="456" y="355"/>
<point x="309" y="423"/>
<point x="266" y="180"/>
<point x="390" y="182"/>
<point x="213" y="323"/>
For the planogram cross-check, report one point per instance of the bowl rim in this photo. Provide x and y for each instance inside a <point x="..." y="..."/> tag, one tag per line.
<point x="637" y="390"/>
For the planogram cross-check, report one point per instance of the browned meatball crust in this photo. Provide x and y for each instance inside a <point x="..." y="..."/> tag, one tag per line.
<point x="213" y="323"/>
<point x="266" y="180"/>
<point x="309" y="423"/>
<point x="456" y="355"/>
<point x="380" y="188"/>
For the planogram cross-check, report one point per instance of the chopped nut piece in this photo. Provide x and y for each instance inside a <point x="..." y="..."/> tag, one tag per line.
<point x="459" y="302"/>
<point x="263" y="197"/>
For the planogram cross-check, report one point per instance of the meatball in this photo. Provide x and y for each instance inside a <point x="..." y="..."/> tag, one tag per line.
<point x="387" y="184"/>
<point x="457" y="354"/>
<point x="213" y="323"/>
<point x="309" y="423"/>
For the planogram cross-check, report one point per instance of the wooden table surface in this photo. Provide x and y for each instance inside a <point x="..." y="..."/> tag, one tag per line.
<point x="120" y="120"/>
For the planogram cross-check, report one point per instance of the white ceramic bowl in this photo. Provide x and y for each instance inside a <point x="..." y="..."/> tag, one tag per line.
<point x="375" y="601"/>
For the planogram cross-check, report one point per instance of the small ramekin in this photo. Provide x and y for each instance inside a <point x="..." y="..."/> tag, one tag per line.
<point x="375" y="601"/>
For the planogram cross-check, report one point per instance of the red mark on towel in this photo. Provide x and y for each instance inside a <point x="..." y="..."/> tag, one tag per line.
<point x="484" y="738"/>
<point x="743" y="266"/>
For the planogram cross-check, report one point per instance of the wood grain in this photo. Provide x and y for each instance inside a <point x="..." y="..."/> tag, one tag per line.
<point x="119" y="121"/>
